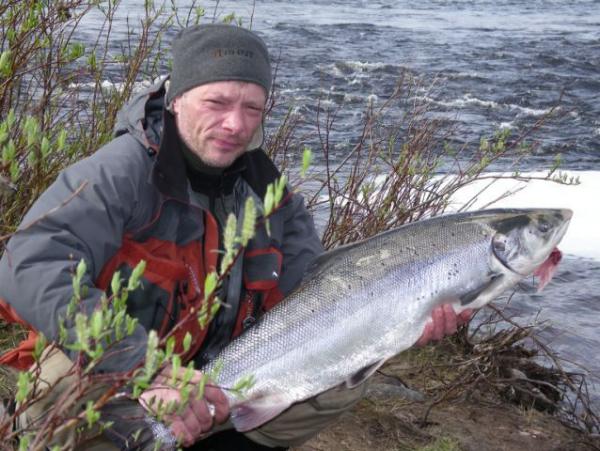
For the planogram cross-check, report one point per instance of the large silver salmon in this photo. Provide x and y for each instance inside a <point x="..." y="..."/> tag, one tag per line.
<point x="363" y="303"/>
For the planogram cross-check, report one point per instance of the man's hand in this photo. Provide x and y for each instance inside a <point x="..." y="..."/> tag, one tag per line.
<point x="444" y="322"/>
<point x="198" y="417"/>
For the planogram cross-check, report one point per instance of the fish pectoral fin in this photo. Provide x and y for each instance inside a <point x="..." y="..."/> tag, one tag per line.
<point x="471" y="296"/>
<point x="253" y="413"/>
<point x="363" y="374"/>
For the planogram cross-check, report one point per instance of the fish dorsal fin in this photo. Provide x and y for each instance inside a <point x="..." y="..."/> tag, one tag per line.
<point x="323" y="260"/>
<point x="363" y="374"/>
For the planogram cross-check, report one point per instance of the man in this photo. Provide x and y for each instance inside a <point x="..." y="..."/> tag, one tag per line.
<point x="186" y="154"/>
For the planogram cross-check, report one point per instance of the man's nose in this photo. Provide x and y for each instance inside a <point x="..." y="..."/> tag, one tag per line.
<point x="234" y="121"/>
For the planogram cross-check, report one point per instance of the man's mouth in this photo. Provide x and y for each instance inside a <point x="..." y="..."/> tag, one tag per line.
<point x="227" y="143"/>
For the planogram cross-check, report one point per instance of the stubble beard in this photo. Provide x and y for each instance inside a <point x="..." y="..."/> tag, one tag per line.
<point x="204" y="151"/>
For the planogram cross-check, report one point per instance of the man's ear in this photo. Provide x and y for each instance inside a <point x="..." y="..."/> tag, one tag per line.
<point x="174" y="108"/>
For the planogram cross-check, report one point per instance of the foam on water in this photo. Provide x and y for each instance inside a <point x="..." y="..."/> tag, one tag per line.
<point x="467" y="100"/>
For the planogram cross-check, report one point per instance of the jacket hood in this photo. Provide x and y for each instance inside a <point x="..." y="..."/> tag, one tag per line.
<point x="142" y="115"/>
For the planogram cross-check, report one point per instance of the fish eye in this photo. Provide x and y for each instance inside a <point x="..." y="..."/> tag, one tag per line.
<point x="543" y="226"/>
<point x="499" y="245"/>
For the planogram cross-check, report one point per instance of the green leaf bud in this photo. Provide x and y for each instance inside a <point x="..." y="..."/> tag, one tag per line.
<point x="229" y="233"/>
<point x="269" y="199"/>
<point x="31" y="128"/>
<point x="3" y="134"/>
<point x="118" y="325"/>
<point x="189" y="373"/>
<point x="214" y="309"/>
<point x="175" y="366"/>
<point x="187" y="342"/>
<point x="63" y="335"/>
<point x="81" y="270"/>
<point x="134" y="279"/>
<point x="75" y="51"/>
<point x="92" y="416"/>
<point x="32" y="158"/>
<point x="8" y="152"/>
<point x="23" y="386"/>
<point x="170" y="346"/>
<point x="131" y="324"/>
<point x="201" y="386"/>
<point x="210" y="284"/>
<point x="40" y="345"/>
<point x="98" y="352"/>
<point x="11" y="118"/>
<point x="306" y="161"/>
<point x="279" y="189"/>
<point x="115" y="283"/>
<point x="24" y="441"/>
<point x="96" y="324"/>
<point x="6" y="63"/>
<point x="202" y="318"/>
<point x="45" y="147"/>
<point x="229" y="18"/>
<point x="150" y="365"/>
<point x="249" y="222"/>
<point x="82" y="332"/>
<point x="61" y="140"/>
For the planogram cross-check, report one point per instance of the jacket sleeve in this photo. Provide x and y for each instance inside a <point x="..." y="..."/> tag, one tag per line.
<point x="300" y="243"/>
<point x="69" y="223"/>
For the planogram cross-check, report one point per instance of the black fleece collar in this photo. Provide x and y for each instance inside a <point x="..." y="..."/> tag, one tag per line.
<point x="171" y="172"/>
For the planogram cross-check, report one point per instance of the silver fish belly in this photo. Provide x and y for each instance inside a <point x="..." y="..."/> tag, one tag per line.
<point x="363" y="303"/>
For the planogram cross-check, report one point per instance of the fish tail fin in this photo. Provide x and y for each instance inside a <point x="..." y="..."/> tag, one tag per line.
<point x="253" y="413"/>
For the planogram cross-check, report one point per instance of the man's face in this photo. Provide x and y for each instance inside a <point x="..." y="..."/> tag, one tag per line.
<point x="218" y="120"/>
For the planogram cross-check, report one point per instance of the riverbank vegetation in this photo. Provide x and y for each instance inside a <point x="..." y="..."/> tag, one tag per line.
<point x="60" y="91"/>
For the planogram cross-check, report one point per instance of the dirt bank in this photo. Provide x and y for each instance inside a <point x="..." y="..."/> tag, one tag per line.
<point x="428" y="418"/>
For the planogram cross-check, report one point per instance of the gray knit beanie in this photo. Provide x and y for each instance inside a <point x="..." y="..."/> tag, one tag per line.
<point x="217" y="52"/>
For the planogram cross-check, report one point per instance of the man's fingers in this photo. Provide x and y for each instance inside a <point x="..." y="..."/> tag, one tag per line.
<point x="465" y="316"/>
<point x="450" y="324"/>
<point x="192" y="424"/>
<point x="426" y="335"/>
<point x="217" y="398"/>
<point x="153" y="397"/>
<point x="165" y="376"/>
<point x="439" y="323"/>
<point x="198" y="416"/>
<point x="180" y="430"/>
<point x="198" y="419"/>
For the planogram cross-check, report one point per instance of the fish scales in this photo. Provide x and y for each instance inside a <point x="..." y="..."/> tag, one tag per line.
<point x="313" y="308"/>
<point x="364" y="303"/>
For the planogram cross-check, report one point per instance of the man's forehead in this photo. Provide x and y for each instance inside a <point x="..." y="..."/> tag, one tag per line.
<point x="228" y="89"/>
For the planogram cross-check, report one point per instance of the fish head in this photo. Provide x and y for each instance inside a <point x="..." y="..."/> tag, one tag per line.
<point x="524" y="239"/>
